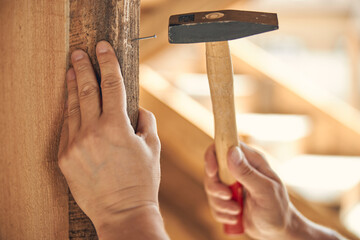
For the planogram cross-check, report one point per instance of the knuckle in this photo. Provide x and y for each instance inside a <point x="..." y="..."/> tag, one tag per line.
<point x="271" y="187"/>
<point x="72" y="90"/>
<point x="155" y="141"/>
<point x="106" y="58"/>
<point x="111" y="81"/>
<point x="90" y="137"/>
<point x="245" y="170"/>
<point x="66" y="115"/>
<point x="74" y="109"/>
<point x="149" y="114"/>
<point x="62" y="159"/>
<point x="82" y="67"/>
<point x="88" y="89"/>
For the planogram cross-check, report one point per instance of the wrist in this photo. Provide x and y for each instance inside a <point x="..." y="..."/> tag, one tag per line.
<point x="301" y="228"/>
<point x="144" y="221"/>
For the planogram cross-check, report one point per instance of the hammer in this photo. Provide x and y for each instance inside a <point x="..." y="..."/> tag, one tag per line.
<point x="215" y="29"/>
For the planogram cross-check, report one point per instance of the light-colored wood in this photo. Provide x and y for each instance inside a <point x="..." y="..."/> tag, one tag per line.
<point x="185" y="129"/>
<point x="349" y="200"/>
<point x="33" y="50"/>
<point x="220" y="75"/>
<point x="118" y="23"/>
<point x="290" y="94"/>
<point x="353" y="51"/>
<point x="184" y="117"/>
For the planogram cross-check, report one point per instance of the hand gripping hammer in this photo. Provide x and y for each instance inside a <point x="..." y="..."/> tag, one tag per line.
<point x="215" y="29"/>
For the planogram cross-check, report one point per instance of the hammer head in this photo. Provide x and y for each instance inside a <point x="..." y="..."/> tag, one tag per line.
<point x="219" y="25"/>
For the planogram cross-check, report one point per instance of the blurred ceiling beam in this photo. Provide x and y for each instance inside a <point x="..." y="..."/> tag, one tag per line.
<point x="301" y="7"/>
<point x="185" y="129"/>
<point x="155" y="21"/>
<point x="353" y="50"/>
<point x="329" y="113"/>
<point x="353" y="43"/>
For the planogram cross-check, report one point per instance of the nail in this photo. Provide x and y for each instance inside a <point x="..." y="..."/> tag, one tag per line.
<point x="224" y="195"/>
<point x="236" y="155"/>
<point x="102" y="47"/>
<point x="77" y="55"/>
<point x="235" y="210"/>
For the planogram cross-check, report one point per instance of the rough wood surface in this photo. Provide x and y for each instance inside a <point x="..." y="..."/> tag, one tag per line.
<point x="33" y="49"/>
<point x="116" y="21"/>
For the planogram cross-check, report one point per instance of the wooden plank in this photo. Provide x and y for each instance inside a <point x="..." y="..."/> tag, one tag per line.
<point x="156" y="21"/>
<point x="117" y="22"/>
<point x="185" y="132"/>
<point x="33" y="49"/>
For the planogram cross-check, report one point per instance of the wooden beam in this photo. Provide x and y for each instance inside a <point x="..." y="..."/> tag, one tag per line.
<point x="185" y="117"/>
<point x="33" y="49"/>
<point x="353" y="51"/>
<point x="156" y="21"/>
<point x="292" y="95"/>
<point x="116" y="22"/>
<point x="185" y="129"/>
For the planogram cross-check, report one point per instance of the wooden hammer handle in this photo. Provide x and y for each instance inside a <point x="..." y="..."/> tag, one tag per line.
<point x="220" y="75"/>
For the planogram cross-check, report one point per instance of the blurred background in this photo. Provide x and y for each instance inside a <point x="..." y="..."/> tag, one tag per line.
<point x="297" y="93"/>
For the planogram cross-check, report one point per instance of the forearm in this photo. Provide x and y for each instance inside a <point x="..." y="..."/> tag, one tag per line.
<point x="140" y="223"/>
<point x="301" y="228"/>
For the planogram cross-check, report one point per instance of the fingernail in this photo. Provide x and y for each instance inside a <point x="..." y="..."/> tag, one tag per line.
<point x="224" y="196"/>
<point x="235" y="210"/>
<point x="102" y="47"/>
<point x="77" y="55"/>
<point x="236" y="155"/>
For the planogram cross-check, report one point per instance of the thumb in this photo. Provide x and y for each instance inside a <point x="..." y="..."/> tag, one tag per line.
<point x="243" y="172"/>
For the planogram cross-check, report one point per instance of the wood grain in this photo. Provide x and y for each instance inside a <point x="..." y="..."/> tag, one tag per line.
<point x="221" y="82"/>
<point x="116" y="21"/>
<point x="33" y="49"/>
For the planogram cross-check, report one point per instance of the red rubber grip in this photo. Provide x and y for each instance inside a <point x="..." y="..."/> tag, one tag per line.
<point x="237" y="195"/>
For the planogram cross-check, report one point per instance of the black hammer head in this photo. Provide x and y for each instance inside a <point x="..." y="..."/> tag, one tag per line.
<point x="219" y="25"/>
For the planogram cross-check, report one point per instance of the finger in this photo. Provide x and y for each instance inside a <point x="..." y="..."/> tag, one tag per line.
<point x="74" y="117"/>
<point x="252" y="180"/>
<point x="64" y="136"/>
<point x="147" y="127"/>
<point x="112" y="84"/>
<point x="224" y="218"/>
<point x="146" y="123"/>
<point x="224" y="206"/>
<point x="88" y="88"/>
<point x="216" y="189"/>
<point x="211" y="166"/>
<point x="258" y="161"/>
